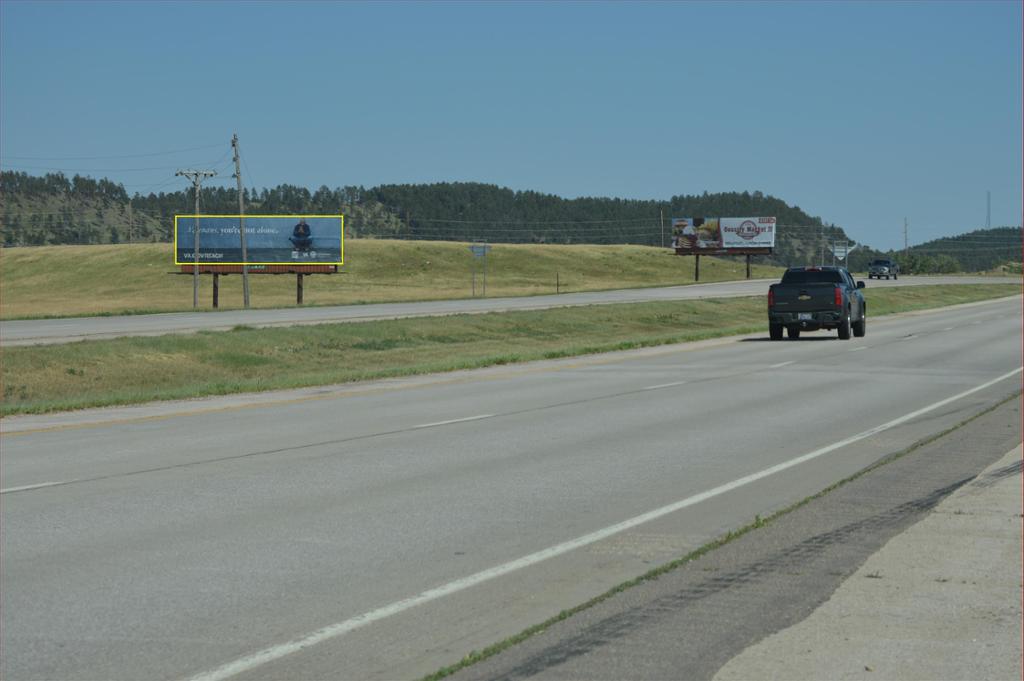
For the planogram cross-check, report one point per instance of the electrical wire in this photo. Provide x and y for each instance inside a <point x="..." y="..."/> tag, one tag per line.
<point x="97" y="158"/>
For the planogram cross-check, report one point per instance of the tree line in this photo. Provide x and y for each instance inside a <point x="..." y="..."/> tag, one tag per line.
<point x="53" y="209"/>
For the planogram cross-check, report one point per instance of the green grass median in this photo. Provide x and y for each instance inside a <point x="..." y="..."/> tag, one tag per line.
<point x="133" y="370"/>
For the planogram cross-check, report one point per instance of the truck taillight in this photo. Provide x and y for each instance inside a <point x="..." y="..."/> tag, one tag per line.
<point x="839" y="297"/>
<point x="771" y="298"/>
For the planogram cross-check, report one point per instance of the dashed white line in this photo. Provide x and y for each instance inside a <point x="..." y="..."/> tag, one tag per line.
<point x="863" y="347"/>
<point x="663" y="385"/>
<point x="463" y="420"/>
<point x="782" y="364"/>
<point x="331" y="631"/>
<point x="949" y="328"/>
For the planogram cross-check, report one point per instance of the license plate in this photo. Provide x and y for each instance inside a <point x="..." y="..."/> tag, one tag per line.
<point x="804" y="315"/>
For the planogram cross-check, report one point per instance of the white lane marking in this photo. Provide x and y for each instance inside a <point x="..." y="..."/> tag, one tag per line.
<point x="36" y="486"/>
<point x="272" y="653"/>
<point x="949" y="328"/>
<point x="782" y="364"/>
<point x="863" y="347"/>
<point x="663" y="385"/>
<point x="445" y="423"/>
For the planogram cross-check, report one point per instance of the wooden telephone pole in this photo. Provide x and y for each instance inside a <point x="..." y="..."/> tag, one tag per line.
<point x="196" y="177"/>
<point x="241" y="222"/>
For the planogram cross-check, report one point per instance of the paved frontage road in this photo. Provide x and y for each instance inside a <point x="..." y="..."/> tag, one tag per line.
<point x="41" y="331"/>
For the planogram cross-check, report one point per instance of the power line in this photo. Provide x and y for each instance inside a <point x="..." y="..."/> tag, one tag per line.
<point x="96" y="158"/>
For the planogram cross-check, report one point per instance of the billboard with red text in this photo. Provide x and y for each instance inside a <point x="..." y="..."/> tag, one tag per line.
<point x="723" y="236"/>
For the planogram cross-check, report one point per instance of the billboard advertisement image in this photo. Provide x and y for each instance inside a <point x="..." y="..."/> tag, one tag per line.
<point x="270" y="239"/>
<point x="722" y="236"/>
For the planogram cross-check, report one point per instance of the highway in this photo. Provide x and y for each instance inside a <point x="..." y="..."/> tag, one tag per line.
<point x="40" y="331"/>
<point x="384" y="530"/>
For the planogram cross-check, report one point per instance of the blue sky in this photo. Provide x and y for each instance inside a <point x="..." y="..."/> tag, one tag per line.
<point x="862" y="113"/>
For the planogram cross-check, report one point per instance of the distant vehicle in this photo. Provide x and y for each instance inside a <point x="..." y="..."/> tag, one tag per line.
<point x="883" y="268"/>
<point x="812" y="298"/>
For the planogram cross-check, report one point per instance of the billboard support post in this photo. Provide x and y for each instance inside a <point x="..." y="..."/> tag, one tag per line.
<point x="298" y="288"/>
<point x="748" y="266"/>
<point x="216" y="290"/>
<point x="696" y="267"/>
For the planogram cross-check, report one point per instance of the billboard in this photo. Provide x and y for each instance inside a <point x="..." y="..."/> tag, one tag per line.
<point x="722" y="236"/>
<point x="270" y="239"/>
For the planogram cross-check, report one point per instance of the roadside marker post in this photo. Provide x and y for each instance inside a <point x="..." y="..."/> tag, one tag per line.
<point x="479" y="250"/>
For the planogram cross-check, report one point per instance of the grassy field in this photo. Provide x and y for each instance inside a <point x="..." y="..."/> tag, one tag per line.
<point x="50" y="281"/>
<point x="132" y="370"/>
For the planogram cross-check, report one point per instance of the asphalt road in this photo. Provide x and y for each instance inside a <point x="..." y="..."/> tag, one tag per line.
<point x="385" y="530"/>
<point x="40" y="331"/>
<point x="883" y="623"/>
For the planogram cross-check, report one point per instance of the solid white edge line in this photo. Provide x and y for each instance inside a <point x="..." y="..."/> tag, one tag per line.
<point x="463" y="420"/>
<point x="36" y="486"/>
<point x="334" y="630"/>
<point x="664" y="385"/>
<point x="782" y="364"/>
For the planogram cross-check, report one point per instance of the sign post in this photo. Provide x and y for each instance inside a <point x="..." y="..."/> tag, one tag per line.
<point x="479" y="251"/>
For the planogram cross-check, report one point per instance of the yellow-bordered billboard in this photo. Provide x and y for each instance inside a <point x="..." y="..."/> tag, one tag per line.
<point x="269" y="239"/>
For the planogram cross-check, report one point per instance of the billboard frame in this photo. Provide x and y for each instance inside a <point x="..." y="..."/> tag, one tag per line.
<point x="723" y="250"/>
<point x="340" y="262"/>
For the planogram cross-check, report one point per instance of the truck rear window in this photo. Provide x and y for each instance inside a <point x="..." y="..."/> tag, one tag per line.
<point x="812" y="277"/>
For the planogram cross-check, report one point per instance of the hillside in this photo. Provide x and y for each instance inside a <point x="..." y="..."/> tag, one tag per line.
<point x="123" y="278"/>
<point x="52" y="209"/>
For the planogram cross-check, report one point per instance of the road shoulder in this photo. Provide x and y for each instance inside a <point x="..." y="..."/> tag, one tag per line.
<point x="691" y="621"/>
<point x="933" y="603"/>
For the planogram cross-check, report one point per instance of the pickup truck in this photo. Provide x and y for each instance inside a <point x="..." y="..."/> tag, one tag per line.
<point x="883" y="268"/>
<point x="812" y="298"/>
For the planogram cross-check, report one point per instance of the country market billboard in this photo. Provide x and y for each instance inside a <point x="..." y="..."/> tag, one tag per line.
<point x="723" y="236"/>
<point x="270" y="239"/>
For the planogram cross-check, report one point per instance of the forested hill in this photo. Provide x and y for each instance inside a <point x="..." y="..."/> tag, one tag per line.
<point x="468" y="210"/>
<point x="977" y="251"/>
<point x="52" y="209"/>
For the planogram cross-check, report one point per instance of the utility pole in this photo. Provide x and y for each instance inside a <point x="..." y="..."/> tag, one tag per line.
<point x="821" y="260"/>
<point x="196" y="177"/>
<point x="905" y="242"/>
<point x="241" y="222"/>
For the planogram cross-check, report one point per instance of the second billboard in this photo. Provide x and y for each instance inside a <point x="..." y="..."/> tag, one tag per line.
<point x="722" y="235"/>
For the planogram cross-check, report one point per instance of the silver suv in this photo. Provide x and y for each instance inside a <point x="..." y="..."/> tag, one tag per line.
<point x="883" y="268"/>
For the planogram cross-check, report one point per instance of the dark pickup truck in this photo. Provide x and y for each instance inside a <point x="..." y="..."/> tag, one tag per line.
<point x="812" y="298"/>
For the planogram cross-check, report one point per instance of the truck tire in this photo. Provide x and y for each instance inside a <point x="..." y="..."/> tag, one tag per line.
<point x="844" y="328"/>
<point x="896" y="277"/>
<point x="793" y="332"/>
<point x="775" y="331"/>
<point x="861" y="327"/>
